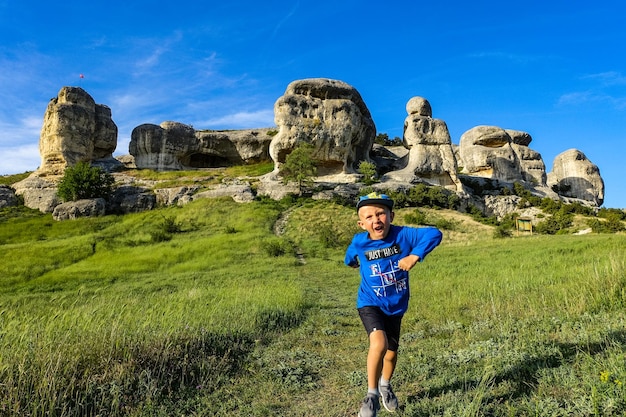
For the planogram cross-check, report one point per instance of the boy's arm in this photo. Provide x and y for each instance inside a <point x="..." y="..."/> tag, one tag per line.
<point x="351" y="258"/>
<point x="428" y="238"/>
<point x="408" y="262"/>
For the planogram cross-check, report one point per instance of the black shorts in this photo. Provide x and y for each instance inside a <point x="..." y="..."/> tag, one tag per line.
<point x="374" y="319"/>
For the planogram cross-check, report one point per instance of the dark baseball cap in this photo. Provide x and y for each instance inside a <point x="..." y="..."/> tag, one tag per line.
<point x="374" y="198"/>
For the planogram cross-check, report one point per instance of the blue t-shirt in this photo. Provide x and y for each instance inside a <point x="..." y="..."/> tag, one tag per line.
<point x="383" y="283"/>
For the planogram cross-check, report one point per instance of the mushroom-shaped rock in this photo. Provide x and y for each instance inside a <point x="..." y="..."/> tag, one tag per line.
<point x="331" y="116"/>
<point x="575" y="176"/>
<point x="486" y="151"/>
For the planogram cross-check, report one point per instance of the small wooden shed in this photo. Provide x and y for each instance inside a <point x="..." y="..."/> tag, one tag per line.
<point x="524" y="225"/>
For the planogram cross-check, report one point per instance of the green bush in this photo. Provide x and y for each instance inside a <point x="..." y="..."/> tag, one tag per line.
<point x="610" y="225"/>
<point x="368" y="170"/>
<point x="557" y="223"/>
<point x="299" y="166"/>
<point x="84" y="181"/>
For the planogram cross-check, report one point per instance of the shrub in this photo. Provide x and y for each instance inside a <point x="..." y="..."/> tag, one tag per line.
<point x="417" y="217"/>
<point x="329" y="237"/>
<point x="612" y="213"/>
<point x="299" y="166"/>
<point x="274" y="248"/>
<point x="557" y="223"/>
<point x="368" y="170"/>
<point x="84" y="181"/>
<point x="611" y="225"/>
<point x="501" y="231"/>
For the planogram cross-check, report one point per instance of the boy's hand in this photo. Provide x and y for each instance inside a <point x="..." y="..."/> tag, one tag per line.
<point x="408" y="262"/>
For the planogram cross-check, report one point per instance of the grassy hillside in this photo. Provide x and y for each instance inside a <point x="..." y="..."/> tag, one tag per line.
<point x="204" y="311"/>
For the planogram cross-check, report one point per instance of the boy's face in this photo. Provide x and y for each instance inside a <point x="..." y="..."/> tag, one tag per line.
<point x="375" y="220"/>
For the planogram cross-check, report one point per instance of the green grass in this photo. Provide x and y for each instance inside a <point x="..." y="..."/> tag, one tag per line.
<point x="201" y="177"/>
<point x="189" y="312"/>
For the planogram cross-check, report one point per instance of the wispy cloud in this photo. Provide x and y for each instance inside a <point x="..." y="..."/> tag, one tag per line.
<point x="609" y="78"/>
<point x="243" y="120"/>
<point x="285" y="19"/>
<point x="604" y="88"/>
<point x="584" y="98"/>
<point x="508" y="56"/>
<point x="18" y="159"/>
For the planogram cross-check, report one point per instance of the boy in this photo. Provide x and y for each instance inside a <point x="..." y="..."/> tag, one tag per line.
<point x="385" y="254"/>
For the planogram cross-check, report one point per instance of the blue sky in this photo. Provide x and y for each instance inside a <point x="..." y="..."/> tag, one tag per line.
<point x="555" y="69"/>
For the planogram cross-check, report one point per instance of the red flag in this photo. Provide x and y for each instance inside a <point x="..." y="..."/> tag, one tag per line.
<point x="81" y="76"/>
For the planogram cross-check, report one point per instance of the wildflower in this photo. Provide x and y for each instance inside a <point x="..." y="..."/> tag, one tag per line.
<point x="604" y="376"/>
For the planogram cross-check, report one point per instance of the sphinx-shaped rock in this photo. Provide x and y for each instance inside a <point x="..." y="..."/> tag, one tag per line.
<point x="431" y="156"/>
<point x="575" y="176"/>
<point x="531" y="162"/>
<point x="331" y="116"/>
<point x="486" y="152"/>
<point x="75" y="129"/>
<point x="175" y="146"/>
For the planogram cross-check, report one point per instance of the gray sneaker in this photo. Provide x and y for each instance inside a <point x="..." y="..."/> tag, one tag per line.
<point x="369" y="406"/>
<point x="390" y="401"/>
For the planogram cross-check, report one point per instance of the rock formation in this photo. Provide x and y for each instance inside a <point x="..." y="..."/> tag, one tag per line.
<point x="75" y="129"/>
<point x="82" y="208"/>
<point x="38" y="193"/>
<point x="175" y="146"/>
<point x="431" y="157"/>
<point x="575" y="176"/>
<point x="531" y="162"/>
<point x="7" y="196"/>
<point x="486" y="151"/>
<point x="328" y="114"/>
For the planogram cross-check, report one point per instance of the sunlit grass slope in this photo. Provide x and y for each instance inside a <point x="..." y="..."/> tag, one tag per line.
<point x="204" y="311"/>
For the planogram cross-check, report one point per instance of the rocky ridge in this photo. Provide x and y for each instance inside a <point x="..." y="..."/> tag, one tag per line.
<point x="328" y="114"/>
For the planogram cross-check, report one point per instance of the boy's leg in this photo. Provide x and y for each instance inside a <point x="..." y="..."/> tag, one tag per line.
<point x="375" y="358"/>
<point x="389" y="364"/>
<point x="373" y="320"/>
<point x="392" y="327"/>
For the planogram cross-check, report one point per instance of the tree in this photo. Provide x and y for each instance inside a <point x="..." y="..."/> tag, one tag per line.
<point x="368" y="170"/>
<point x="84" y="181"/>
<point x="299" y="166"/>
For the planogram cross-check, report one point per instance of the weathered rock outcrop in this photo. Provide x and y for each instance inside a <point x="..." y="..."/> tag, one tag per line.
<point x="38" y="193"/>
<point x="174" y="146"/>
<point x="131" y="199"/>
<point x="486" y="151"/>
<point x="76" y="129"/>
<point x="531" y="162"/>
<point x="328" y="114"/>
<point x="431" y="157"/>
<point x="72" y="210"/>
<point x="575" y="176"/>
<point x="7" y="196"/>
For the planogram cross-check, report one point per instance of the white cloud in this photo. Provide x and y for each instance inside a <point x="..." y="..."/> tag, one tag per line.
<point x="243" y="120"/>
<point x="16" y="160"/>
<point x="580" y="98"/>
<point x="609" y="78"/>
